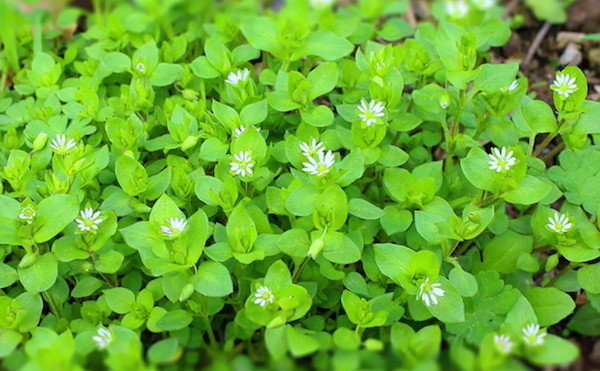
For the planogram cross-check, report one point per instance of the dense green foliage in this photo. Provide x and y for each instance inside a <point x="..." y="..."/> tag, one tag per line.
<point x="194" y="183"/>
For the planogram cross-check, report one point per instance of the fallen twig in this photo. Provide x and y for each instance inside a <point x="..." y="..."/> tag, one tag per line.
<point x="537" y="41"/>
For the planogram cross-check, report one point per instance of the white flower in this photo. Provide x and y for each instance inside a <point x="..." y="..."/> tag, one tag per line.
<point x="559" y="223"/>
<point x="501" y="160"/>
<point x="88" y="220"/>
<point x="103" y="337"/>
<point x="503" y="344"/>
<point x="61" y="145"/>
<point x="174" y="228"/>
<point x="321" y="3"/>
<point x="457" y="9"/>
<point x="512" y="87"/>
<point x="484" y="4"/>
<point x="369" y="113"/>
<point x="240" y="129"/>
<point x="312" y="149"/>
<point x="263" y="296"/>
<point x="141" y="67"/>
<point x="238" y="76"/>
<point x="429" y="292"/>
<point x="564" y="85"/>
<point x="533" y="335"/>
<point x="242" y="164"/>
<point x="320" y="165"/>
<point x="27" y="214"/>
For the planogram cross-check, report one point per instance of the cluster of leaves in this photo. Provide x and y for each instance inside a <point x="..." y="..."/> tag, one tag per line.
<point x="199" y="182"/>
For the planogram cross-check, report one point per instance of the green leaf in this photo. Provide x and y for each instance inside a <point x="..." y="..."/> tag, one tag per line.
<point x="554" y="351"/>
<point x="550" y="304"/>
<point x="132" y="176"/>
<point x="119" y="299"/>
<point x="364" y="209"/>
<point x="175" y="320"/>
<point x="254" y="113"/>
<point x="213" y="279"/>
<point x="326" y="45"/>
<point x="166" y="74"/>
<point x="392" y="259"/>
<point x="502" y="252"/>
<point x="529" y="191"/>
<point x="540" y="117"/>
<point x="491" y="78"/>
<point x="164" y="351"/>
<point x="588" y="278"/>
<point x="54" y="214"/>
<point x="464" y="282"/>
<point x="116" y="62"/>
<point x="450" y="307"/>
<point x="322" y="79"/>
<point x="299" y="343"/>
<point x="40" y="275"/>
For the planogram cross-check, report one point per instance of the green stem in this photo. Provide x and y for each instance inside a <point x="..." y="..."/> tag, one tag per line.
<point x="564" y="271"/>
<point x="543" y="145"/>
<point x="300" y="268"/>
<point x="50" y="300"/>
<point x="453" y="129"/>
<point x="209" y="330"/>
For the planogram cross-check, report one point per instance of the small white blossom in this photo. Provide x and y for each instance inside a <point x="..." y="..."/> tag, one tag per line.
<point x="242" y="164"/>
<point x="533" y="335"/>
<point x="319" y="165"/>
<point x="141" y="67"/>
<point x="512" y="87"/>
<point x="263" y="296"/>
<point x="484" y="4"/>
<point x="503" y="344"/>
<point x="240" y="129"/>
<point x="321" y="3"/>
<point x="234" y="78"/>
<point x="501" y="160"/>
<point x="564" y="85"/>
<point x="27" y="214"/>
<point x="312" y="149"/>
<point x="61" y="145"/>
<point x="103" y="338"/>
<point x="88" y="220"/>
<point x="174" y="228"/>
<point x="559" y="223"/>
<point x="457" y="9"/>
<point x="429" y="292"/>
<point x="369" y="113"/>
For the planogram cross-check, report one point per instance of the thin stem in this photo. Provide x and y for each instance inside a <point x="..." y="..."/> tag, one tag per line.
<point x="453" y="129"/>
<point x="209" y="330"/>
<point x="543" y="145"/>
<point x="556" y="277"/>
<point x="300" y="268"/>
<point x="50" y="300"/>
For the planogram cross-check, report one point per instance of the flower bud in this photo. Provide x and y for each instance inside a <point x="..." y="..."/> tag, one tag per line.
<point x="40" y="141"/>
<point x="190" y="94"/>
<point x="28" y="260"/>
<point x="445" y="101"/>
<point x="373" y="345"/>
<point x="315" y="247"/>
<point x="277" y="322"/>
<point x="186" y="292"/>
<point x="87" y="267"/>
<point x="551" y="262"/>
<point x="189" y="142"/>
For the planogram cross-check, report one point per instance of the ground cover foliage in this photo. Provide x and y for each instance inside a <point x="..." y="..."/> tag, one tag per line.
<point x="312" y="185"/>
